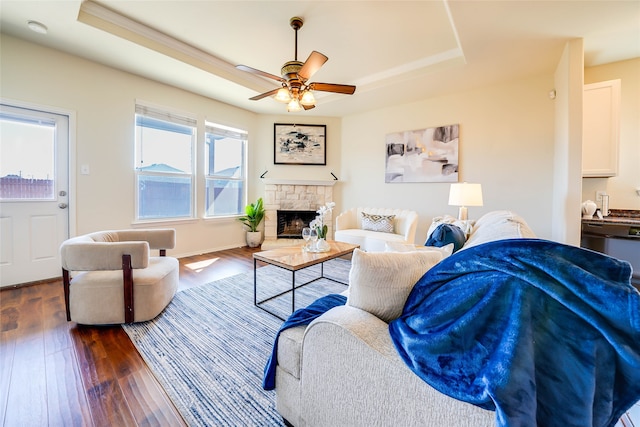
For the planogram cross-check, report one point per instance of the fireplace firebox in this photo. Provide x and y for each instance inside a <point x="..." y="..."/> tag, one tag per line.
<point x="291" y="223"/>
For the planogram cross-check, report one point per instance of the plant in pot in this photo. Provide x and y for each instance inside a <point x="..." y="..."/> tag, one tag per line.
<point x="253" y="215"/>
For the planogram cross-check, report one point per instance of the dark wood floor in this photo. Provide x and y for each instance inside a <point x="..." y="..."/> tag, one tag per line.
<point x="57" y="373"/>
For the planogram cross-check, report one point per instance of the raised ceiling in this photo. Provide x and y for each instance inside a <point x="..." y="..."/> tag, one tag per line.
<point x="394" y="51"/>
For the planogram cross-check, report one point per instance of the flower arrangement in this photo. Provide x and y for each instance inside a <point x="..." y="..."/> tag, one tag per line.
<point x="319" y="222"/>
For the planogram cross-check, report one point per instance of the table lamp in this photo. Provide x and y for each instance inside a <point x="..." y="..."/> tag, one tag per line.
<point x="465" y="194"/>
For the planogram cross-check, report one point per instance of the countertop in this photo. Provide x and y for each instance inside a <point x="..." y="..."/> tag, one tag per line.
<point x="618" y="217"/>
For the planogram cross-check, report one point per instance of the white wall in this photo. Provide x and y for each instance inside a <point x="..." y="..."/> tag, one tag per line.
<point x="621" y="189"/>
<point x="262" y="149"/>
<point x="567" y="153"/>
<point x="506" y="144"/>
<point x="104" y="101"/>
<point x="506" y="133"/>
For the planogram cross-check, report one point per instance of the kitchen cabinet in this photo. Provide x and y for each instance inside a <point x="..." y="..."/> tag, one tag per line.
<point x="600" y="129"/>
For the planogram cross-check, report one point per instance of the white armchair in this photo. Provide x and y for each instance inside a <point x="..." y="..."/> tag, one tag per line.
<point x="349" y="228"/>
<point x="109" y="277"/>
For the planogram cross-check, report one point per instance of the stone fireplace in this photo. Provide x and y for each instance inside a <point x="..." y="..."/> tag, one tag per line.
<point x="292" y="195"/>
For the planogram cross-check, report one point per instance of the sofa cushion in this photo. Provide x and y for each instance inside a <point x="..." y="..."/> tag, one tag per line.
<point x="374" y="222"/>
<point x="498" y="225"/>
<point x="445" y="234"/>
<point x="446" y="250"/>
<point x="290" y="350"/>
<point x="370" y="241"/>
<point x="380" y="282"/>
<point x="97" y="297"/>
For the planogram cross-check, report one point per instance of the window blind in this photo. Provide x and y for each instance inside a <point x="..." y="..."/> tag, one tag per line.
<point x="225" y="131"/>
<point x="172" y="117"/>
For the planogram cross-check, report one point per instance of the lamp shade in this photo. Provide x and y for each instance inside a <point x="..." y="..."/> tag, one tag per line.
<point x="465" y="194"/>
<point x="294" y="105"/>
<point x="307" y="98"/>
<point x="283" y="95"/>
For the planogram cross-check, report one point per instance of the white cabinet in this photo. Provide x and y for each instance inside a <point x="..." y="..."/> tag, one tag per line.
<point x="600" y="129"/>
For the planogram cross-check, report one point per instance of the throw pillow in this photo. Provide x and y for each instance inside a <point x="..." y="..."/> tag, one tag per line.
<point x="446" y="250"/>
<point x="374" y="222"/>
<point x="465" y="224"/>
<point x="445" y="234"/>
<point x="380" y="282"/>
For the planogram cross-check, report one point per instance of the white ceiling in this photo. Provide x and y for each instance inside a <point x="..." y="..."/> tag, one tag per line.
<point x="394" y="51"/>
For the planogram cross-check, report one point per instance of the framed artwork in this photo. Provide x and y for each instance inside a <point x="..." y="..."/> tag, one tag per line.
<point x="299" y="144"/>
<point x="424" y="155"/>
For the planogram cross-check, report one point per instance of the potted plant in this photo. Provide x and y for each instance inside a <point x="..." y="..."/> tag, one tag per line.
<point x="254" y="213"/>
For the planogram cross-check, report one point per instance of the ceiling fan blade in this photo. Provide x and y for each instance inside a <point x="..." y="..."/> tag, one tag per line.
<point x="332" y="87"/>
<point x="258" y="72"/>
<point x="312" y="64"/>
<point x="308" y="107"/>
<point x="264" y="95"/>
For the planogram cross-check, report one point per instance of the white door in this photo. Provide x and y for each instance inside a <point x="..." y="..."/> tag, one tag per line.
<point x="34" y="187"/>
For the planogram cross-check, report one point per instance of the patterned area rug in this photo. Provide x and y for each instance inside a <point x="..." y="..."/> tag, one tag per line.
<point x="208" y="348"/>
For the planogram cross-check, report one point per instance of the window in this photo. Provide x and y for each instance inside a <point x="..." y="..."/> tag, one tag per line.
<point x="225" y="152"/>
<point x="27" y="155"/>
<point x="164" y="164"/>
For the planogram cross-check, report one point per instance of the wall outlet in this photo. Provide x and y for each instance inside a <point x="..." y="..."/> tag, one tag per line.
<point x="599" y="195"/>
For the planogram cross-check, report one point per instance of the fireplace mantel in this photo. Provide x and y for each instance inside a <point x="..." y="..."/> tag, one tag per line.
<point x="279" y="181"/>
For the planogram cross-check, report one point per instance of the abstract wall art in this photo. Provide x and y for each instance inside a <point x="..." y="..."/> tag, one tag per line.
<point x="423" y="155"/>
<point x="299" y="144"/>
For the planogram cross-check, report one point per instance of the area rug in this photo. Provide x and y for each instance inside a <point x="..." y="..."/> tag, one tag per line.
<point x="208" y="348"/>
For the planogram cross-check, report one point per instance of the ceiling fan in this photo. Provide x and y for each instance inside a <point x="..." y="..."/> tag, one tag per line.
<point x="295" y="89"/>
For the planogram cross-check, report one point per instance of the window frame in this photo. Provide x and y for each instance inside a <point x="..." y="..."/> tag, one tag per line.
<point x="20" y="116"/>
<point x="178" y="119"/>
<point x="234" y="133"/>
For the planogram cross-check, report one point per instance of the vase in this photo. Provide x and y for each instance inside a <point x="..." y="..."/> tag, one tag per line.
<point x="254" y="238"/>
<point x="322" y="245"/>
<point x="588" y="209"/>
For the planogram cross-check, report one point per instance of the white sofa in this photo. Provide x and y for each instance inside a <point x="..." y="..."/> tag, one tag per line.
<point x="343" y="369"/>
<point x="349" y="228"/>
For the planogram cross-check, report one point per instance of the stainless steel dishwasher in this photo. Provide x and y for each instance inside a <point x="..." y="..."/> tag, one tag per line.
<point x="618" y="240"/>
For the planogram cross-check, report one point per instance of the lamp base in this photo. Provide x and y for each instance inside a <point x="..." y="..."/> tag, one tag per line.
<point x="462" y="213"/>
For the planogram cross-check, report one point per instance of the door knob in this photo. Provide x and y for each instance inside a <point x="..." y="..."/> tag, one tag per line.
<point x="62" y="205"/>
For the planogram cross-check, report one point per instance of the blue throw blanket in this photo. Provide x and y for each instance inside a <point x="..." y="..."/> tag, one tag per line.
<point x="544" y="334"/>
<point x="300" y="317"/>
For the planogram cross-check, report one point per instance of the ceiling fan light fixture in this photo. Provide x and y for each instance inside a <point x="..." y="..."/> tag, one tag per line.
<point x="296" y="91"/>
<point x="308" y="99"/>
<point x="294" y="105"/>
<point x="283" y="95"/>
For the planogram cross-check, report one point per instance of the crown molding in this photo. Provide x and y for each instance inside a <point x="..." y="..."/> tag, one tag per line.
<point x="102" y="18"/>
